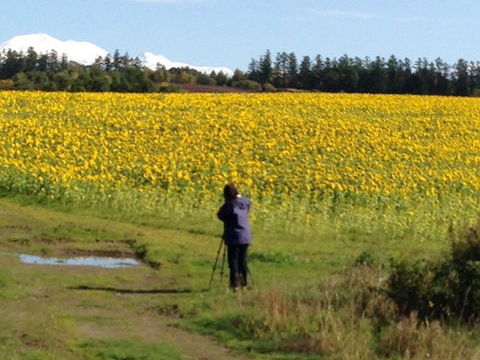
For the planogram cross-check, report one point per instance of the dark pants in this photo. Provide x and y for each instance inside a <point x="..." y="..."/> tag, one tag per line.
<point x="237" y="262"/>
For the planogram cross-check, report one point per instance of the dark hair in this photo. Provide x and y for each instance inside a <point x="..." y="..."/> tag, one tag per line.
<point x="230" y="192"/>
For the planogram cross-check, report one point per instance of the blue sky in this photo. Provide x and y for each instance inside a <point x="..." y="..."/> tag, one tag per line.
<point x="231" y="32"/>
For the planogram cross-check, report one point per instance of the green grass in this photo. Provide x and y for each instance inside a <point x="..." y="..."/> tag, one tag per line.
<point x="129" y="350"/>
<point x="306" y="293"/>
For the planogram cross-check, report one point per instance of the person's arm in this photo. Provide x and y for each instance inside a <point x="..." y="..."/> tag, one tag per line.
<point x="224" y="212"/>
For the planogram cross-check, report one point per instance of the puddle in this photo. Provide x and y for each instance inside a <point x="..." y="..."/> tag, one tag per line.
<point x="104" y="262"/>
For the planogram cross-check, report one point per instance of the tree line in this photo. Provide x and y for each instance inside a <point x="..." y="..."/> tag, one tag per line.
<point x="379" y="75"/>
<point x="118" y="73"/>
<point x="121" y="73"/>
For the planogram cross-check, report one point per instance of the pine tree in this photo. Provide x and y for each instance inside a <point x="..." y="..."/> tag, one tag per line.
<point x="292" y="70"/>
<point x="265" y="68"/>
<point x="305" y="74"/>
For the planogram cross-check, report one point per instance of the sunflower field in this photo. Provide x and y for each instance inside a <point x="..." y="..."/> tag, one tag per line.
<point x="396" y="164"/>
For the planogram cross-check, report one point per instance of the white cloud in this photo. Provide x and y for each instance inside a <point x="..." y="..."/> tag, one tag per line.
<point x="345" y="14"/>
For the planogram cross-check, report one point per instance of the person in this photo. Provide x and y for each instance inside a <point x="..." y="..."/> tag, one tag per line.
<point x="237" y="235"/>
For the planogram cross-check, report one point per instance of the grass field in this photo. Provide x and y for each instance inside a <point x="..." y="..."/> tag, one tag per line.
<point x="333" y="179"/>
<point x="302" y="304"/>
<point x="92" y="313"/>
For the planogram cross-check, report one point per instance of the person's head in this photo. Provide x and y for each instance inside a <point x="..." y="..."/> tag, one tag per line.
<point x="230" y="192"/>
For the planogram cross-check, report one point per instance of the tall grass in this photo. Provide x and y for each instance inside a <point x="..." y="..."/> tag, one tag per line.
<point x="347" y="316"/>
<point x="389" y="222"/>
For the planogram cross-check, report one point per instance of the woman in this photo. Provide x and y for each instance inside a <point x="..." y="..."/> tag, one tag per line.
<point x="236" y="234"/>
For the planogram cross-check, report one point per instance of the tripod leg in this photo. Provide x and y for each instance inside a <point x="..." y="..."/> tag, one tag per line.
<point x="223" y="261"/>
<point x="215" y="265"/>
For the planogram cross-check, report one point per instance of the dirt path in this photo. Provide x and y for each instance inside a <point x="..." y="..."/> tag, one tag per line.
<point x="117" y="311"/>
<point x="151" y="329"/>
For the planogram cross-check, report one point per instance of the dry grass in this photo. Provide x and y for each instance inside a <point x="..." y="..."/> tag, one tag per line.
<point x="348" y="316"/>
<point x="413" y="339"/>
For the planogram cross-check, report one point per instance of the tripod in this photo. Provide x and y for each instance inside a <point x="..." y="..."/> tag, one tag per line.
<point x="216" y="261"/>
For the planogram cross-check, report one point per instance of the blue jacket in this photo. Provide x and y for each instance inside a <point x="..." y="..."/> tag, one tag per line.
<point x="236" y="229"/>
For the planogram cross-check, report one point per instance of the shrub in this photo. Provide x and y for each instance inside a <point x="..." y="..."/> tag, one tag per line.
<point x="168" y="88"/>
<point x="247" y="85"/>
<point x="6" y="84"/>
<point x="204" y="79"/>
<point x="22" y="82"/>
<point x="441" y="289"/>
<point x="183" y="77"/>
<point x="267" y="87"/>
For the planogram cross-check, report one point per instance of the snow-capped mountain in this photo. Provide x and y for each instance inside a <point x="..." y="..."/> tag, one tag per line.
<point x="151" y="60"/>
<point x="82" y="52"/>
<point x="86" y="53"/>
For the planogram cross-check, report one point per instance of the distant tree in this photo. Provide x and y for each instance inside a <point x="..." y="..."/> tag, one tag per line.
<point x="107" y="63"/>
<point x="83" y="82"/>
<point x="53" y="63"/>
<point x="100" y="80"/>
<point x="121" y="73"/>
<point x="277" y="74"/>
<point x="332" y="77"/>
<point x="62" y="81"/>
<point x="292" y="70"/>
<point x="64" y="64"/>
<point x="410" y="87"/>
<point x="136" y="62"/>
<point x="204" y="79"/>
<point x="12" y="64"/>
<point x="348" y="76"/>
<point x="239" y="75"/>
<point x="393" y="71"/>
<point x="305" y="77"/>
<point x="280" y="72"/>
<point x="40" y="80"/>
<point x="160" y="74"/>
<point x="117" y="64"/>
<point x="22" y="82"/>
<point x="254" y="73"/>
<point x="475" y="77"/>
<point x="378" y="75"/>
<point x="116" y="84"/>
<point x="31" y="60"/>
<point x="265" y="68"/>
<point x="134" y="79"/>
<point x="42" y="62"/>
<point x="318" y="74"/>
<point x="461" y="83"/>
<point x="183" y="77"/>
<point x="443" y="83"/>
<point x="420" y="79"/>
<point x="98" y="63"/>
<point x="213" y="76"/>
<point x="221" y="79"/>
<point x="125" y="61"/>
